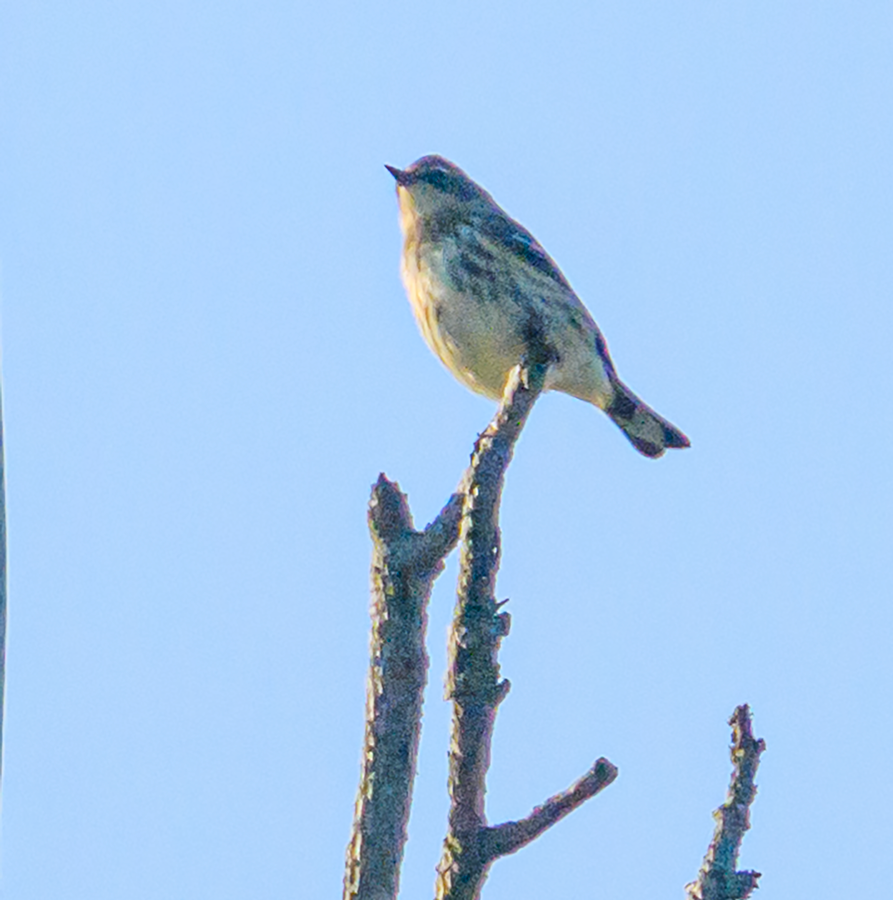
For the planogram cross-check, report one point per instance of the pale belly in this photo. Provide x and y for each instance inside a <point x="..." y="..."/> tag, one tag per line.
<point x="478" y="342"/>
<point x="480" y="336"/>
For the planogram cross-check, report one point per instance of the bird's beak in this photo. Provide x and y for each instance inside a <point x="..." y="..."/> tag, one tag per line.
<point x="398" y="174"/>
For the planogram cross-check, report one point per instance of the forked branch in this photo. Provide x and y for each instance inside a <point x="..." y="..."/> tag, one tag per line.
<point x="473" y="682"/>
<point x="405" y="563"/>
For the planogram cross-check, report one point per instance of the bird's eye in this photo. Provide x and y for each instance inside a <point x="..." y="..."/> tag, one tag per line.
<point x="438" y="179"/>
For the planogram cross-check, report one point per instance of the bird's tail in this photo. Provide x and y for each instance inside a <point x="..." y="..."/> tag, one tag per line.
<point x="648" y="432"/>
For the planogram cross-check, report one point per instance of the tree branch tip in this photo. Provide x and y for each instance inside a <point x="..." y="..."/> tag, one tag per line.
<point x="743" y="741"/>
<point x="742" y="719"/>
<point x="384" y="483"/>
<point x="502" y="691"/>
<point x="446" y="523"/>
<point x="604" y="771"/>
<point x="389" y="513"/>
<point x="511" y="836"/>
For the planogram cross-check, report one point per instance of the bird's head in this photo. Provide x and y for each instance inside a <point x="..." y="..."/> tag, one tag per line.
<point x="433" y="186"/>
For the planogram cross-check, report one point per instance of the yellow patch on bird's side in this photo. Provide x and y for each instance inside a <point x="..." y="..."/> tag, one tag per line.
<point x="407" y="210"/>
<point x="419" y="288"/>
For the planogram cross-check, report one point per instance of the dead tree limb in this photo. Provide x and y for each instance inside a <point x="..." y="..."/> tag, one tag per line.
<point x="473" y="682"/>
<point x="718" y="878"/>
<point x="512" y="836"/>
<point x="405" y="563"/>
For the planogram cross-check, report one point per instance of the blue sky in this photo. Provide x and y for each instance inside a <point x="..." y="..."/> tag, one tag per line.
<point x="208" y="358"/>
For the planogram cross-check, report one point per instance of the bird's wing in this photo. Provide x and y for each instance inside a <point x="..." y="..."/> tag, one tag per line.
<point x="515" y="238"/>
<point x="505" y="232"/>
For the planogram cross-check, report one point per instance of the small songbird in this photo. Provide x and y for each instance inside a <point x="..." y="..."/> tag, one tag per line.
<point x="482" y="288"/>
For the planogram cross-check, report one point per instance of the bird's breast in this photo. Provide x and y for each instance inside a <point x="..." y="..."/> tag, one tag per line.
<point x="474" y="331"/>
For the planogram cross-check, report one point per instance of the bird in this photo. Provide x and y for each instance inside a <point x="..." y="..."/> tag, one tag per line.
<point x="482" y="288"/>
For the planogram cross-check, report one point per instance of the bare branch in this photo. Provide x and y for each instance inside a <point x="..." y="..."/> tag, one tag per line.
<point x="511" y="836"/>
<point x="718" y="878"/>
<point x="405" y="563"/>
<point x="473" y="681"/>
<point x="441" y="535"/>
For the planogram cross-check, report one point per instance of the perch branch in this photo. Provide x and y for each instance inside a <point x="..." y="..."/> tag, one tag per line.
<point x="718" y="878"/>
<point x="405" y="563"/>
<point x="473" y="681"/>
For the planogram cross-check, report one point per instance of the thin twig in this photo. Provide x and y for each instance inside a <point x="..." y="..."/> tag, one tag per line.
<point x="718" y="878"/>
<point x="512" y="836"/>
<point x="405" y="563"/>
